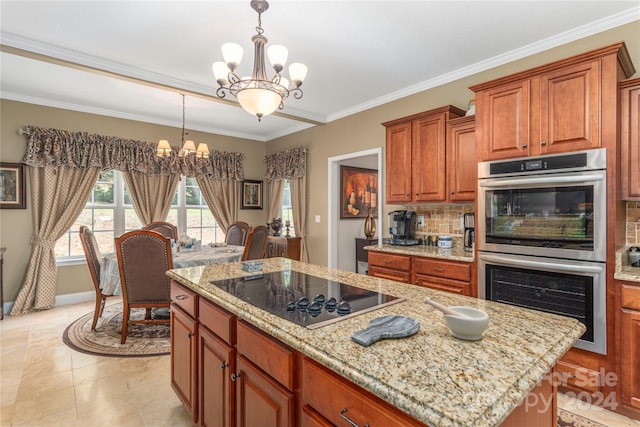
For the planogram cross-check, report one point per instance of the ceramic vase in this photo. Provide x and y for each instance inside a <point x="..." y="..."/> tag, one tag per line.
<point x="370" y="226"/>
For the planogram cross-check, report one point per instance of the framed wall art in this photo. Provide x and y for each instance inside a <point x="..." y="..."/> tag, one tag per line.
<point x="358" y="192"/>
<point x="251" y="194"/>
<point x="13" y="190"/>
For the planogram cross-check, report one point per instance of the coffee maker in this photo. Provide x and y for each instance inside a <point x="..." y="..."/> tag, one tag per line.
<point x="402" y="227"/>
<point x="469" y="231"/>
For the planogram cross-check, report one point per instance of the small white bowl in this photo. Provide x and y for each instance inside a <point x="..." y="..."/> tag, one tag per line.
<point x="470" y="327"/>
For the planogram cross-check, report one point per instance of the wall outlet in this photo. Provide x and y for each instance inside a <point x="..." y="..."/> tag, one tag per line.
<point x="318" y="219"/>
<point x="420" y="220"/>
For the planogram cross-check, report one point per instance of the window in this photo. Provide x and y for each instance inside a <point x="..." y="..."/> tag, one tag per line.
<point x="287" y="211"/>
<point x="109" y="213"/>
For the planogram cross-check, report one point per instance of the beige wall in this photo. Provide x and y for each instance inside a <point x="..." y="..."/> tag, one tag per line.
<point x="16" y="224"/>
<point x="359" y="132"/>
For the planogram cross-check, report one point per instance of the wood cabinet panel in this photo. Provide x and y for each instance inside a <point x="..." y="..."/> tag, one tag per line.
<point x="630" y="357"/>
<point x="397" y="159"/>
<point x="265" y="353"/>
<point x="630" y="297"/>
<point x="184" y="360"/>
<point x="217" y="320"/>
<point x="217" y="391"/>
<point x="447" y="269"/>
<point x="580" y="377"/>
<point x="311" y="418"/>
<point x="261" y="401"/>
<point x="184" y="298"/>
<point x="386" y="260"/>
<point x="462" y="170"/>
<point x="442" y="284"/>
<point x="630" y="139"/>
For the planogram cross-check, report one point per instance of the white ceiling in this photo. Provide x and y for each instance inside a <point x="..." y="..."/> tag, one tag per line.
<point x="359" y="53"/>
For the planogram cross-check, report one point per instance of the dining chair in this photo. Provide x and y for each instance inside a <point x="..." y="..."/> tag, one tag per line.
<point x="237" y="233"/>
<point x="143" y="258"/>
<point x="165" y="228"/>
<point x="92" y="254"/>
<point x="256" y="245"/>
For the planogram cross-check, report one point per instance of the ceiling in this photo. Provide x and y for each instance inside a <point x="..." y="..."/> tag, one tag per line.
<point x="133" y="59"/>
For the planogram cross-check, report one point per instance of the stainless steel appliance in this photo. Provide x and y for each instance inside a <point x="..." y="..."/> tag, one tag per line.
<point x="541" y="236"/>
<point x="469" y="231"/>
<point x="304" y="299"/>
<point x="402" y="227"/>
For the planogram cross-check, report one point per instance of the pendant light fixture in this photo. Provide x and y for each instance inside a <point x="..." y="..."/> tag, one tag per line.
<point x="188" y="147"/>
<point x="257" y="94"/>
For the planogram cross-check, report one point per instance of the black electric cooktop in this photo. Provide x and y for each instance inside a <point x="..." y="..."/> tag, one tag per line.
<point x="304" y="299"/>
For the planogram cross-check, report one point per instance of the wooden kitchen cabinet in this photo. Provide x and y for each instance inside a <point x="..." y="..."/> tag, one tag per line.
<point x="184" y="347"/>
<point x="390" y="266"/>
<point x="630" y="139"/>
<point x="629" y="343"/>
<point x="559" y="107"/>
<point x="416" y="156"/>
<point x="462" y="170"/>
<point x="287" y="247"/>
<point x="450" y="276"/>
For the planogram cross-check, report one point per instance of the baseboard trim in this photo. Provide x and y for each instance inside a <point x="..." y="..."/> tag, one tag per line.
<point x="65" y="299"/>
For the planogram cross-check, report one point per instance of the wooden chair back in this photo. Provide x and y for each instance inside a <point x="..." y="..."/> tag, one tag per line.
<point x="237" y="233"/>
<point x="256" y="245"/>
<point x="165" y="228"/>
<point x="92" y="254"/>
<point x="143" y="258"/>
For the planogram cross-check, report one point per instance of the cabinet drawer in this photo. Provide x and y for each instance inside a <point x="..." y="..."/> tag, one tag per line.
<point x="184" y="298"/>
<point x="579" y="377"/>
<point x="446" y="269"/>
<point x="630" y="296"/>
<point x="336" y="399"/>
<point x="454" y="286"/>
<point x="217" y="320"/>
<point x="385" y="260"/>
<point x="269" y="355"/>
<point x="390" y="274"/>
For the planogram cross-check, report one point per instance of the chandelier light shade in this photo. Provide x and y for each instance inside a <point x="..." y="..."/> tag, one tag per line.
<point x="257" y="94"/>
<point x="188" y="147"/>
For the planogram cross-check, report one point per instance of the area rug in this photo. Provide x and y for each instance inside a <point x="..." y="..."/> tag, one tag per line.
<point x="570" y="419"/>
<point x="142" y="341"/>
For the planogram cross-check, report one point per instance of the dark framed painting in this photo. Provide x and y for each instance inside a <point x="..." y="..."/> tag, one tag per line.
<point x="13" y="189"/>
<point x="251" y="194"/>
<point x="358" y="192"/>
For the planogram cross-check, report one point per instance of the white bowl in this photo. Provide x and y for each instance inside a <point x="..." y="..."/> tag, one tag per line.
<point x="470" y="327"/>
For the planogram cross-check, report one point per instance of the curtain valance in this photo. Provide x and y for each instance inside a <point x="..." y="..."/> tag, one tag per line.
<point x="288" y="164"/>
<point x="53" y="147"/>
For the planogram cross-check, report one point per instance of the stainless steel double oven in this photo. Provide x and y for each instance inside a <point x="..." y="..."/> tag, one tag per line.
<point x="541" y="236"/>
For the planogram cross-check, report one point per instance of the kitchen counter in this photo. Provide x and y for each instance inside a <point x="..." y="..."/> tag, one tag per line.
<point x="432" y="376"/>
<point x="623" y="270"/>
<point x="456" y="253"/>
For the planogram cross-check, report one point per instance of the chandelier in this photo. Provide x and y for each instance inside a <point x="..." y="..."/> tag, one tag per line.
<point x="257" y="94"/>
<point x="188" y="147"/>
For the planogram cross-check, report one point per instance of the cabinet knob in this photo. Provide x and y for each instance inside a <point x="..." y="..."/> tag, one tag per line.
<point x="349" y="420"/>
<point x="543" y="142"/>
<point x="190" y="334"/>
<point x="234" y="376"/>
<point x="524" y="145"/>
<point x="224" y="365"/>
<point x="405" y="281"/>
<point x="452" y="192"/>
<point x="408" y="194"/>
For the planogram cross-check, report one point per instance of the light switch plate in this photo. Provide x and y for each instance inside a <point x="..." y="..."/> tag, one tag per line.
<point x="318" y="219"/>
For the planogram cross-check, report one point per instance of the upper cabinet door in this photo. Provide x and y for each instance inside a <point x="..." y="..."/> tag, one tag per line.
<point x="503" y="115"/>
<point x="630" y="140"/>
<point x="428" y="155"/>
<point x="398" y="161"/>
<point x="570" y="109"/>
<point x="461" y="159"/>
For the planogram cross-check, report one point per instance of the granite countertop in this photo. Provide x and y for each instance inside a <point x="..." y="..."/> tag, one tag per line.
<point x="436" y="378"/>
<point x="623" y="270"/>
<point x="456" y="253"/>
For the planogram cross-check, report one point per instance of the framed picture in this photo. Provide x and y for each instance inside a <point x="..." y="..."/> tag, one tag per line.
<point x="251" y="194"/>
<point x="13" y="190"/>
<point x="358" y="192"/>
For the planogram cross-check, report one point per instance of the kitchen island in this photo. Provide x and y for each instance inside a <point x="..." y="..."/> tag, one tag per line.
<point x="433" y="377"/>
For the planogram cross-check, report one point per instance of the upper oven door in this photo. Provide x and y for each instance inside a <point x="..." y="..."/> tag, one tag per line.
<point x="560" y="215"/>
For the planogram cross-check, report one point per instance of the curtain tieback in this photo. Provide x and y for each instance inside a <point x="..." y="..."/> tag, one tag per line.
<point x="43" y="243"/>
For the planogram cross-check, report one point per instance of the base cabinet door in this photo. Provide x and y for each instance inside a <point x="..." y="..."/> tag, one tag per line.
<point x="631" y="358"/>
<point x="184" y="361"/>
<point x="260" y="400"/>
<point x="217" y="397"/>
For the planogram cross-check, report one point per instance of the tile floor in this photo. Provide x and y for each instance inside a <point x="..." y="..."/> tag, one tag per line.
<point x="45" y="383"/>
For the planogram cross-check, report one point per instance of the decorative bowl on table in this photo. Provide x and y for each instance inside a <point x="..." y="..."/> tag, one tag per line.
<point x="471" y="326"/>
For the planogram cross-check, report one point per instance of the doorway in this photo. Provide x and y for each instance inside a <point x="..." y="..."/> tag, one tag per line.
<point x="342" y="233"/>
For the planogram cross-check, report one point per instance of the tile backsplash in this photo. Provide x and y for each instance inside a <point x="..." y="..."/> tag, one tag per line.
<point x="443" y="218"/>
<point x="633" y="223"/>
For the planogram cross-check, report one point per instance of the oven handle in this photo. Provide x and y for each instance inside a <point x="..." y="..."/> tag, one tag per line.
<point x="543" y="264"/>
<point x="571" y="179"/>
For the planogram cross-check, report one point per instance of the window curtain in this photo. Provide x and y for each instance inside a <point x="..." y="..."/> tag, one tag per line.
<point x="291" y="164"/>
<point x="151" y="195"/>
<point x="58" y="195"/>
<point x="276" y="193"/>
<point x="221" y="196"/>
<point x="64" y="167"/>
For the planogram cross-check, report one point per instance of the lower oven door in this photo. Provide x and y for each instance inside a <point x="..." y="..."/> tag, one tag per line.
<point x="566" y="287"/>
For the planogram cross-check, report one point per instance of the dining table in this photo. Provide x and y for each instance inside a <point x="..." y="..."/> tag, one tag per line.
<point x="110" y="273"/>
